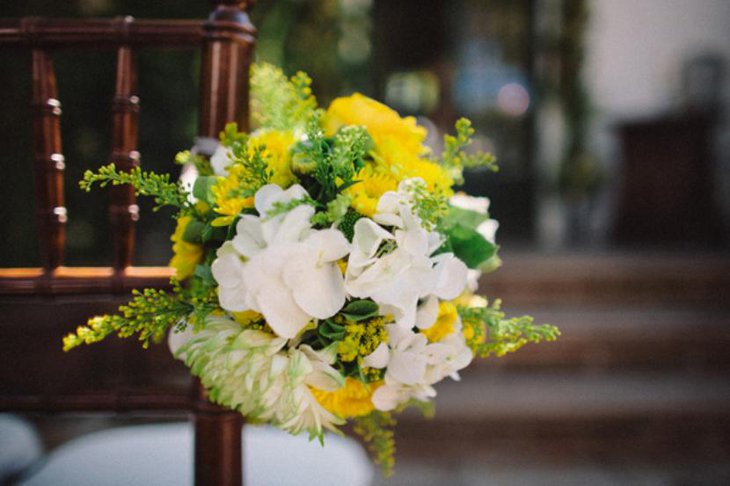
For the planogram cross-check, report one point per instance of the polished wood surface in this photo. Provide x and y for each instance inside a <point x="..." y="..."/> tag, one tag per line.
<point x="40" y="305"/>
<point x="123" y="210"/>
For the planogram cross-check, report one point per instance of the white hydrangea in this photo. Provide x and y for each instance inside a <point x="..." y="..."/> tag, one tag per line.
<point x="249" y="371"/>
<point x="414" y="365"/>
<point x="280" y="266"/>
<point x="396" y="268"/>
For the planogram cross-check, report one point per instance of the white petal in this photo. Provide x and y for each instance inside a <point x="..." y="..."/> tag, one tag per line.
<point x="386" y="398"/>
<point x="471" y="203"/>
<point x="488" y="229"/>
<point x="319" y="291"/>
<point x="282" y="313"/>
<point x="227" y="270"/>
<point x="388" y="219"/>
<point x="427" y="313"/>
<point x="407" y="367"/>
<point x="176" y="339"/>
<point x="330" y="245"/>
<point x="265" y="198"/>
<point x="249" y="239"/>
<point x="452" y="274"/>
<point x="378" y="358"/>
<point x="220" y="160"/>
<point x="368" y="236"/>
<point x="293" y="227"/>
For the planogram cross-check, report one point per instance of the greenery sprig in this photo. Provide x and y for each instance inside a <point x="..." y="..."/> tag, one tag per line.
<point x="280" y="103"/>
<point x="149" y="314"/>
<point x="456" y="159"/>
<point x="157" y="186"/>
<point x="493" y="334"/>
<point x="376" y="429"/>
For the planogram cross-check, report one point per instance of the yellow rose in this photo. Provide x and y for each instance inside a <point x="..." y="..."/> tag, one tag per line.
<point x="381" y="122"/>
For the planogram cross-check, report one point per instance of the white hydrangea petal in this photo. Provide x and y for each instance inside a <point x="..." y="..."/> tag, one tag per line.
<point x="330" y="245"/>
<point x="386" y="398"/>
<point x="227" y="270"/>
<point x="414" y="241"/>
<point x="249" y="239"/>
<point x="318" y="291"/>
<point x="220" y="160"/>
<point x="293" y="227"/>
<point x="265" y="198"/>
<point x="378" y="358"/>
<point x="407" y="367"/>
<point x="427" y="313"/>
<point x="471" y="203"/>
<point x="368" y="236"/>
<point x="388" y="219"/>
<point x="452" y="277"/>
<point x="282" y="313"/>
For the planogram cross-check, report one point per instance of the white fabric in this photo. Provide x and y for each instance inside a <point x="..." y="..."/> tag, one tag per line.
<point x="162" y="455"/>
<point x="20" y="446"/>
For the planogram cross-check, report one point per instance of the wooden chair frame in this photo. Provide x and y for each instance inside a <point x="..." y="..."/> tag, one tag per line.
<point x="227" y="40"/>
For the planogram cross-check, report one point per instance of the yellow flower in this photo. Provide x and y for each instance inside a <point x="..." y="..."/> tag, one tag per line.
<point x="381" y="122"/>
<point x="366" y="193"/>
<point x="277" y="155"/>
<point x="227" y="195"/>
<point x="351" y="400"/>
<point x="185" y="255"/>
<point x="435" y="176"/>
<point x="445" y="322"/>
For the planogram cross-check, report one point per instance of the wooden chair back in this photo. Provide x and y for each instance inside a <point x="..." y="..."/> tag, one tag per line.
<point x="39" y="305"/>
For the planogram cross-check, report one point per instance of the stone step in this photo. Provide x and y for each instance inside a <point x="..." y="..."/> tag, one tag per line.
<point x="587" y="279"/>
<point x="553" y="417"/>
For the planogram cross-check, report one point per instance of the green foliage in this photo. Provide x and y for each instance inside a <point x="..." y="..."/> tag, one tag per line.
<point x="463" y="239"/>
<point x="337" y="211"/>
<point x="280" y="103"/>
<point x="149" y="314"/>
<point x="455" y="159"/>
<point x="493" y="334"/>
<point x="158" y="186"/>
<point x="201" y="164"/>
<point x="327" y="166"/>
<point x="430" y="207"/>
<point x="359" y="310"/>
<point x="376" y="429"/>
<point x="347" y="224"/>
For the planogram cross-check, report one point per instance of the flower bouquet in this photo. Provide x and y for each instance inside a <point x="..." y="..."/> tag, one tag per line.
<point x="325" y="268"/>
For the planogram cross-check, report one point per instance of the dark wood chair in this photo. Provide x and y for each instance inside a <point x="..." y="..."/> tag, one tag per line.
<point x="39" y="305"/>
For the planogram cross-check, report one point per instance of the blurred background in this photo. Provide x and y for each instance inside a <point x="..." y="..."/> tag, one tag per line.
<point x="610" y="120"/>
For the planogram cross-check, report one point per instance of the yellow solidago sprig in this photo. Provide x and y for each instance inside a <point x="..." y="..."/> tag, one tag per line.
<point x="149" y="314"/>
<point x="455" y="159"/>
<point x="488" y="332"/>
<point x="247" y="173"/>
<point x="279" y="103"/>
<point x="157" y="186"/>
<point x="376" y="429"/>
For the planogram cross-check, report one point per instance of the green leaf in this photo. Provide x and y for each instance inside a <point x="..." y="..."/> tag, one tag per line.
<point x="331" y="331"/>
<point x="194" y="232"/>
<point x="359" y="310"/>
<point x="469" y="246"/>
<point x="202" y="186"/>
<point x="467" y="217"/>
